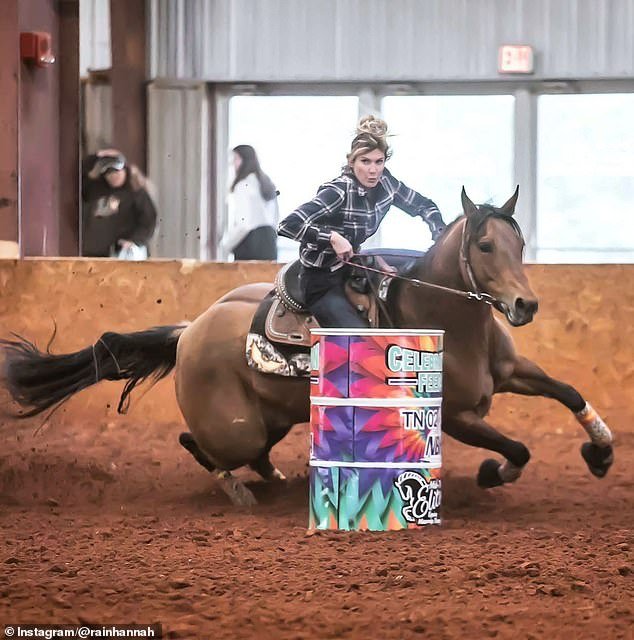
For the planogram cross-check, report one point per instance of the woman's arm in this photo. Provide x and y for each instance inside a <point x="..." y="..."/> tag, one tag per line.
<point x="310" y="221"/>
<point x="416" y="204"/>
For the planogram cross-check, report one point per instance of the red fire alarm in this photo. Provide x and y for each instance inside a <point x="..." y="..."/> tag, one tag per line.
<point x="35" y="47"/>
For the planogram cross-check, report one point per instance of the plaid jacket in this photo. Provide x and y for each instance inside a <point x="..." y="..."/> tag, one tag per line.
<point x="343" y="205"/>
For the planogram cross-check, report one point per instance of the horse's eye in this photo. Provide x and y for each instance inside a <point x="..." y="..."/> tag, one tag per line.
<point x="485" y="247"/>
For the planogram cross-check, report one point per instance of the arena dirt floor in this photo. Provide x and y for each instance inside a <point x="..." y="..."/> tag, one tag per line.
<point x="109" y="523"/>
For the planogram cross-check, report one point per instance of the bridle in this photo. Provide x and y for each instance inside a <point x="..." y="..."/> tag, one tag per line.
<point x="474" y="293"/>
<point x="468" y="274"/>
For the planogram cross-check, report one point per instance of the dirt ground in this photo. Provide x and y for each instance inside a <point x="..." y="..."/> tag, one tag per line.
<point x="111" y="523"/>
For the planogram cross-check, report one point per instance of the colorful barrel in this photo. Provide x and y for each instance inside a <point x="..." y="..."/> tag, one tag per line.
<point x="375" y="428"/>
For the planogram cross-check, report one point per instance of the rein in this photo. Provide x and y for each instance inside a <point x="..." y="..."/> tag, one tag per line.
<point x="477" y="296"/>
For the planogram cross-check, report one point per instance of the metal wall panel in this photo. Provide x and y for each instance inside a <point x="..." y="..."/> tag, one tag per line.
<point x="178" y="134"/>
<point x="386" y="40"/>
<point x="97" y="117"/>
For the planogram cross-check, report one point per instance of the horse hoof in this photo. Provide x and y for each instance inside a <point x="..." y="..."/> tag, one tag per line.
<point x="236" y="491"/>
<point x="598" y="459"/>
<point x="488" y="475"/>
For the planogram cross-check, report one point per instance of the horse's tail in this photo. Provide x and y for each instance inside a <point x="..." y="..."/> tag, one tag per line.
<point x="37" y="380"/>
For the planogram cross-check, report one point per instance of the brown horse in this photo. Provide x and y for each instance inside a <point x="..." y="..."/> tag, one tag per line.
<point x="236" y="415"/>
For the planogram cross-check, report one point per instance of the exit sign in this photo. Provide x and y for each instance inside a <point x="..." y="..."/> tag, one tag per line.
<point x="515" y="58"/>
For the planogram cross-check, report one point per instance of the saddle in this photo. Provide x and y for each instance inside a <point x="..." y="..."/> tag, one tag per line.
<point x="288" y="321"/>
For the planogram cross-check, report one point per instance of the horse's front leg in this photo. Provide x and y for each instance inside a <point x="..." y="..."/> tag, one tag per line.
<point x="471" y="429"/>
<point x="528" y="379"/>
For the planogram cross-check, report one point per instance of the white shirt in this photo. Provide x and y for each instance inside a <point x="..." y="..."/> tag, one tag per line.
<point x="247" y="210"/>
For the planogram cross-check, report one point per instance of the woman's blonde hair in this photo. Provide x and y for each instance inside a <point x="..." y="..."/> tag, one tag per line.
<point x="371" y="134"/>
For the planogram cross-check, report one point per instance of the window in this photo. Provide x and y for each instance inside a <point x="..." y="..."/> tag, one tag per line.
<point x="441" y="143"/>
<point x="301" y="141"/>
<point x="585" y="182"/>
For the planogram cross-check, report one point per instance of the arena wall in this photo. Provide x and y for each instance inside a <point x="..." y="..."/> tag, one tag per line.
<point x="583" y="332"/>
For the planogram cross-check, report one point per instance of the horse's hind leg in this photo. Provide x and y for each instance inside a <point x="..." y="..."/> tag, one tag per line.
<point x="227" y="432"/>
<point x="266" y="469"/>
<point x="235" y="490"/>
<point x="528" y="379"/>
<point x="263" y="464"/>
<point x="469" y="428"/>
<point x="187" y="441"/>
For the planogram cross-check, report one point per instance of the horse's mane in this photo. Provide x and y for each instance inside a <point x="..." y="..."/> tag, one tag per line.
<point x="489" y="211"/>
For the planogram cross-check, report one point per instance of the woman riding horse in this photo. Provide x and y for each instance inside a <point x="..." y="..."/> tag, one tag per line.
<point x="345" y="212"/>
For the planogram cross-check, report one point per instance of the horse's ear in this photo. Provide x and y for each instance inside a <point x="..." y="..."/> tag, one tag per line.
<point x="508" y="208"/>
<point x="468" y="207"/>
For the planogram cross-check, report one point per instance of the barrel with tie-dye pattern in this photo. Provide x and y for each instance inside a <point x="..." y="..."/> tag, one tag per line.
<point x="376" y="364"/>
<point x="375" y="452"/>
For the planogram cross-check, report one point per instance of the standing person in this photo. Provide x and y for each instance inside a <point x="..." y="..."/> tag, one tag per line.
<point x="118" y="215"/>
<point x="345" y="212"/>
<point x="252" y="208"/>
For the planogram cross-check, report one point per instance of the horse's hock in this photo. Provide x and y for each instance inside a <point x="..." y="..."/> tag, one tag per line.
<point x="583" y="331"/>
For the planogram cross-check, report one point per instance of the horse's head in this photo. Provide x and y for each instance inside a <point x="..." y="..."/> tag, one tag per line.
<point x="491" y="258"/>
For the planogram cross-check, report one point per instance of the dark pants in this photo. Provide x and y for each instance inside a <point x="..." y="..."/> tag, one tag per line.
<point x="259" y="244"/>
<point x="326" y="298"/>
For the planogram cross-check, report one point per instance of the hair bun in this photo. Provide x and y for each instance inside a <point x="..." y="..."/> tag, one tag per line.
<point x="373" y="126"/>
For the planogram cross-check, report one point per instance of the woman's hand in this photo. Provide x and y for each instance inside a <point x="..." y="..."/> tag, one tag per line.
<point x="342" y="247"/>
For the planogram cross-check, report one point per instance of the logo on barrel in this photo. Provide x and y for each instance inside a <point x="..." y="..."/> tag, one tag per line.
<point x="421" y="497"/>
<point x="426" y="421"/>
<point x="426" y="367"/>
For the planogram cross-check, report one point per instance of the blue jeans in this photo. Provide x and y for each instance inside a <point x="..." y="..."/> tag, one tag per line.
<point x="326" y="299"/>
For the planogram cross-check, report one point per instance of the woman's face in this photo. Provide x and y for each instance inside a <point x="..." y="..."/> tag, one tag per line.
<point x="368" y="168"/>
<point x="115" y="179"/>
<point x="237" y="161"/>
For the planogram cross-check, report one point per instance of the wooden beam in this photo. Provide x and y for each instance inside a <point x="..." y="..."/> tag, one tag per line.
<point x="9" y="89"/>
<point x="39" y="137"/>
<point x="127" y="20"/>
<point x="69" y="127"/>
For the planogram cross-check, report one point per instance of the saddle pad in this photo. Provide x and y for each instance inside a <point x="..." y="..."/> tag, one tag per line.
<point x="273" y="357"/>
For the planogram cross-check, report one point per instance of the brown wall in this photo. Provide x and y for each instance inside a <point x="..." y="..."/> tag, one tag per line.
<point x="128" y="75"/>
<point x="69" y="127"/>
<point x="583" y="333"/>
<point x="9" y="86"/>
<point x="39" y="132"/>
<point x="39" y="138"/>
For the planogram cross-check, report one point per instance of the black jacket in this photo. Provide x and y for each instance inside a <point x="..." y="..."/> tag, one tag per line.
<point x="109" y="215"/>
